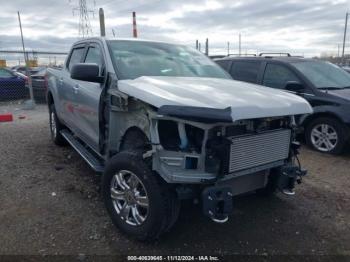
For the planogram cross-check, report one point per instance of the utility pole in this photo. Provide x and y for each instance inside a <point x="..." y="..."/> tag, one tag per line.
<point x="134" y="27"/>
<point x="102" y="22"/>
<point x="207" y="47"/>
<point x="31" y="103"/>
<point x="239" y="44"/>
<point x="344" y="39"/>
<point x="228" y="48"/>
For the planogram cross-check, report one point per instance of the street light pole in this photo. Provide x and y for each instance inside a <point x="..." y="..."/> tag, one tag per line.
<point x="344" y="39"/>
<point x="239" y="45"/>
<point x="31" y="103"/>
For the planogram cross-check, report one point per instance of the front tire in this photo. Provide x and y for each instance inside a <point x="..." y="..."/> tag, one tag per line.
<point x="56" y="127"/>
<point x="139" y="203"/>
<point x="326" y="135"/>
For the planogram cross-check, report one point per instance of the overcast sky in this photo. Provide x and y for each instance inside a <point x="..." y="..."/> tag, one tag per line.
<point x="300" y="27"/>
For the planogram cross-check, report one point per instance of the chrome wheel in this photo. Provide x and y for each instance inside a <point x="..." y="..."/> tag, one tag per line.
<point x="129" y="197"/>
<point x="324" y="137"/>
<point x="53" y="124"/>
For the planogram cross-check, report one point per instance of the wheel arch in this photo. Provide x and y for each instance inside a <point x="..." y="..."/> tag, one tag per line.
<point x="305" y="122"/>
<point x="134" y="133"/>
<point x="50" y="99"/>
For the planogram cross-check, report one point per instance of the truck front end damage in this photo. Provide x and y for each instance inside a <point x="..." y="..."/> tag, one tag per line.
<point x="209" y="156"/>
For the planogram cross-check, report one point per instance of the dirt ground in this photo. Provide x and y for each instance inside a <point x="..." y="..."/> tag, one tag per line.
<point x="50" y="204"/>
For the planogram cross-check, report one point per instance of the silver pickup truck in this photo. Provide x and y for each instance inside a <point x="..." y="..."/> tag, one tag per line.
<point x="164" y="123"/>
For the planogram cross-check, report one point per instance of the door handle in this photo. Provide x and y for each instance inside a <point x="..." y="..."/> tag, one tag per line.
<point x="76" y="88"/>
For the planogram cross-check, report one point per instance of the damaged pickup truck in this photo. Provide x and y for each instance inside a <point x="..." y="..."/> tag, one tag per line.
<point x="163" y="123"/>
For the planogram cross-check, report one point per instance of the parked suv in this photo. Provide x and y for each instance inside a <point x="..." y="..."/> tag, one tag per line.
<point x="324" y="85"/>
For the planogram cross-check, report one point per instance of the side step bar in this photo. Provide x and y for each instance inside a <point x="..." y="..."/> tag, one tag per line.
<point x="89" y="157"/>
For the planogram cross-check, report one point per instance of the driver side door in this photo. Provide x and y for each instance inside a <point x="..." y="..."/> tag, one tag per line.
<point x="87" y="100"/>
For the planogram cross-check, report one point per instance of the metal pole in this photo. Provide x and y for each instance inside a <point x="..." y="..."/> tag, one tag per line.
<point x="207" y="47"/>
<point x="239" y="44"/>
<point x="31" y="103"/>
<point x="344" y="40"/>
<point x="134" y="24"/>
<point x="102" y="22"/>
<point x="228" y="48"/>
<point x="197" y="46"/>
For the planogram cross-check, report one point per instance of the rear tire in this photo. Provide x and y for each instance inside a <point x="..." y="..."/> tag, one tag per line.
<point x="326" y="135"/>
<point x="144" y="222"/>
<point x="56" y="127"/>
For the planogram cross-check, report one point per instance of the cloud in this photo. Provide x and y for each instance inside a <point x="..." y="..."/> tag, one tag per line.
<point x="296" y="26"/>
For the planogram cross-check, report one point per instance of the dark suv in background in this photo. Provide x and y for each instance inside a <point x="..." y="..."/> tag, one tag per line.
<point x="324" y="85"/>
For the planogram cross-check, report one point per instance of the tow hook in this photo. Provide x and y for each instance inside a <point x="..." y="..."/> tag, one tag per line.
<point x="217" y="203"/>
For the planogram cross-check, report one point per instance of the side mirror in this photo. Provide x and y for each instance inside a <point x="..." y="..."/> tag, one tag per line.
<point x="294" y="86"/>
<point x="86" y="72"/>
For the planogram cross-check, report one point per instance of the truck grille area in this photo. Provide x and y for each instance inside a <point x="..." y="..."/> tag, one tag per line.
<point x="250" y="151"/>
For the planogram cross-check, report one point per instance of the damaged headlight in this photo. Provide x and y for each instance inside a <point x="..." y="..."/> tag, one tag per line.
<point x="178" y="136"/>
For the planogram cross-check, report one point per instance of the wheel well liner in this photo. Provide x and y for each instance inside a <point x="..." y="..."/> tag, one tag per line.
<point x="49" y="98"/>
<point x="136" y="136"/>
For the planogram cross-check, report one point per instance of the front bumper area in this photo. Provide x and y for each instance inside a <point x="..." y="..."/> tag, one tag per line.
<point x="217" y="200"/>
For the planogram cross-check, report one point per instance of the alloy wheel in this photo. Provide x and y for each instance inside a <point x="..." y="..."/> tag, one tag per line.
<point x="129" y="197"/>
<point x="324" y="137"/>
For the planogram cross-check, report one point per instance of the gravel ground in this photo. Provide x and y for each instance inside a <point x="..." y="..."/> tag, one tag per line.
<point x="50" y="204"/>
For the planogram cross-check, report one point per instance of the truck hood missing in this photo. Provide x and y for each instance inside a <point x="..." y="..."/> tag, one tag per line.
<point x="213" y="99"/>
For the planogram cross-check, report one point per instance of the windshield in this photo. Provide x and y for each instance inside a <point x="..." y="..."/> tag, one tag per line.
<point x="133" y="59"/>
<point x="324" y="74"/>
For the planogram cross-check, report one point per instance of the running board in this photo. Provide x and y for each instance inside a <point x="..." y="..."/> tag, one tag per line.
<point x="89" y="157"/>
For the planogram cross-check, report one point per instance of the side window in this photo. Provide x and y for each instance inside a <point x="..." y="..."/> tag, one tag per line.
<point x="75" y="57"/>
<point x="94" y="55"/>
<point x="5" y="74"/>
<point x="245" y="71"/>
<point x="277" y="76"/>
<point x="224" y="64"/>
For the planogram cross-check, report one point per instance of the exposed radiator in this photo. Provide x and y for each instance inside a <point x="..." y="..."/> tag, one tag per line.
<point x="250" y="151"/>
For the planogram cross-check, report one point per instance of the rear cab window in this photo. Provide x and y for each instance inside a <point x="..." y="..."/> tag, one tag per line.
<point x="247" y="71"/>
<point x="277" y="76"/>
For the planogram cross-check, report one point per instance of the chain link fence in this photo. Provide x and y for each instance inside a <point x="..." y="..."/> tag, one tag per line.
<point x="16" y="79"/>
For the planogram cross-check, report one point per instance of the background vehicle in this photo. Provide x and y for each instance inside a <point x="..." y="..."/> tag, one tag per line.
<point x="165" y="123"/>
<point x="39" y="83"/>
<point x="12" y="86"/>
<point x="346" y="68"/>
<point x="324" y="85"/>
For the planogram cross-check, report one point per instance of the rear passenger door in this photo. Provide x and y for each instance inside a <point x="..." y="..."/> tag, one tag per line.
<point x="247" y="71"/>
